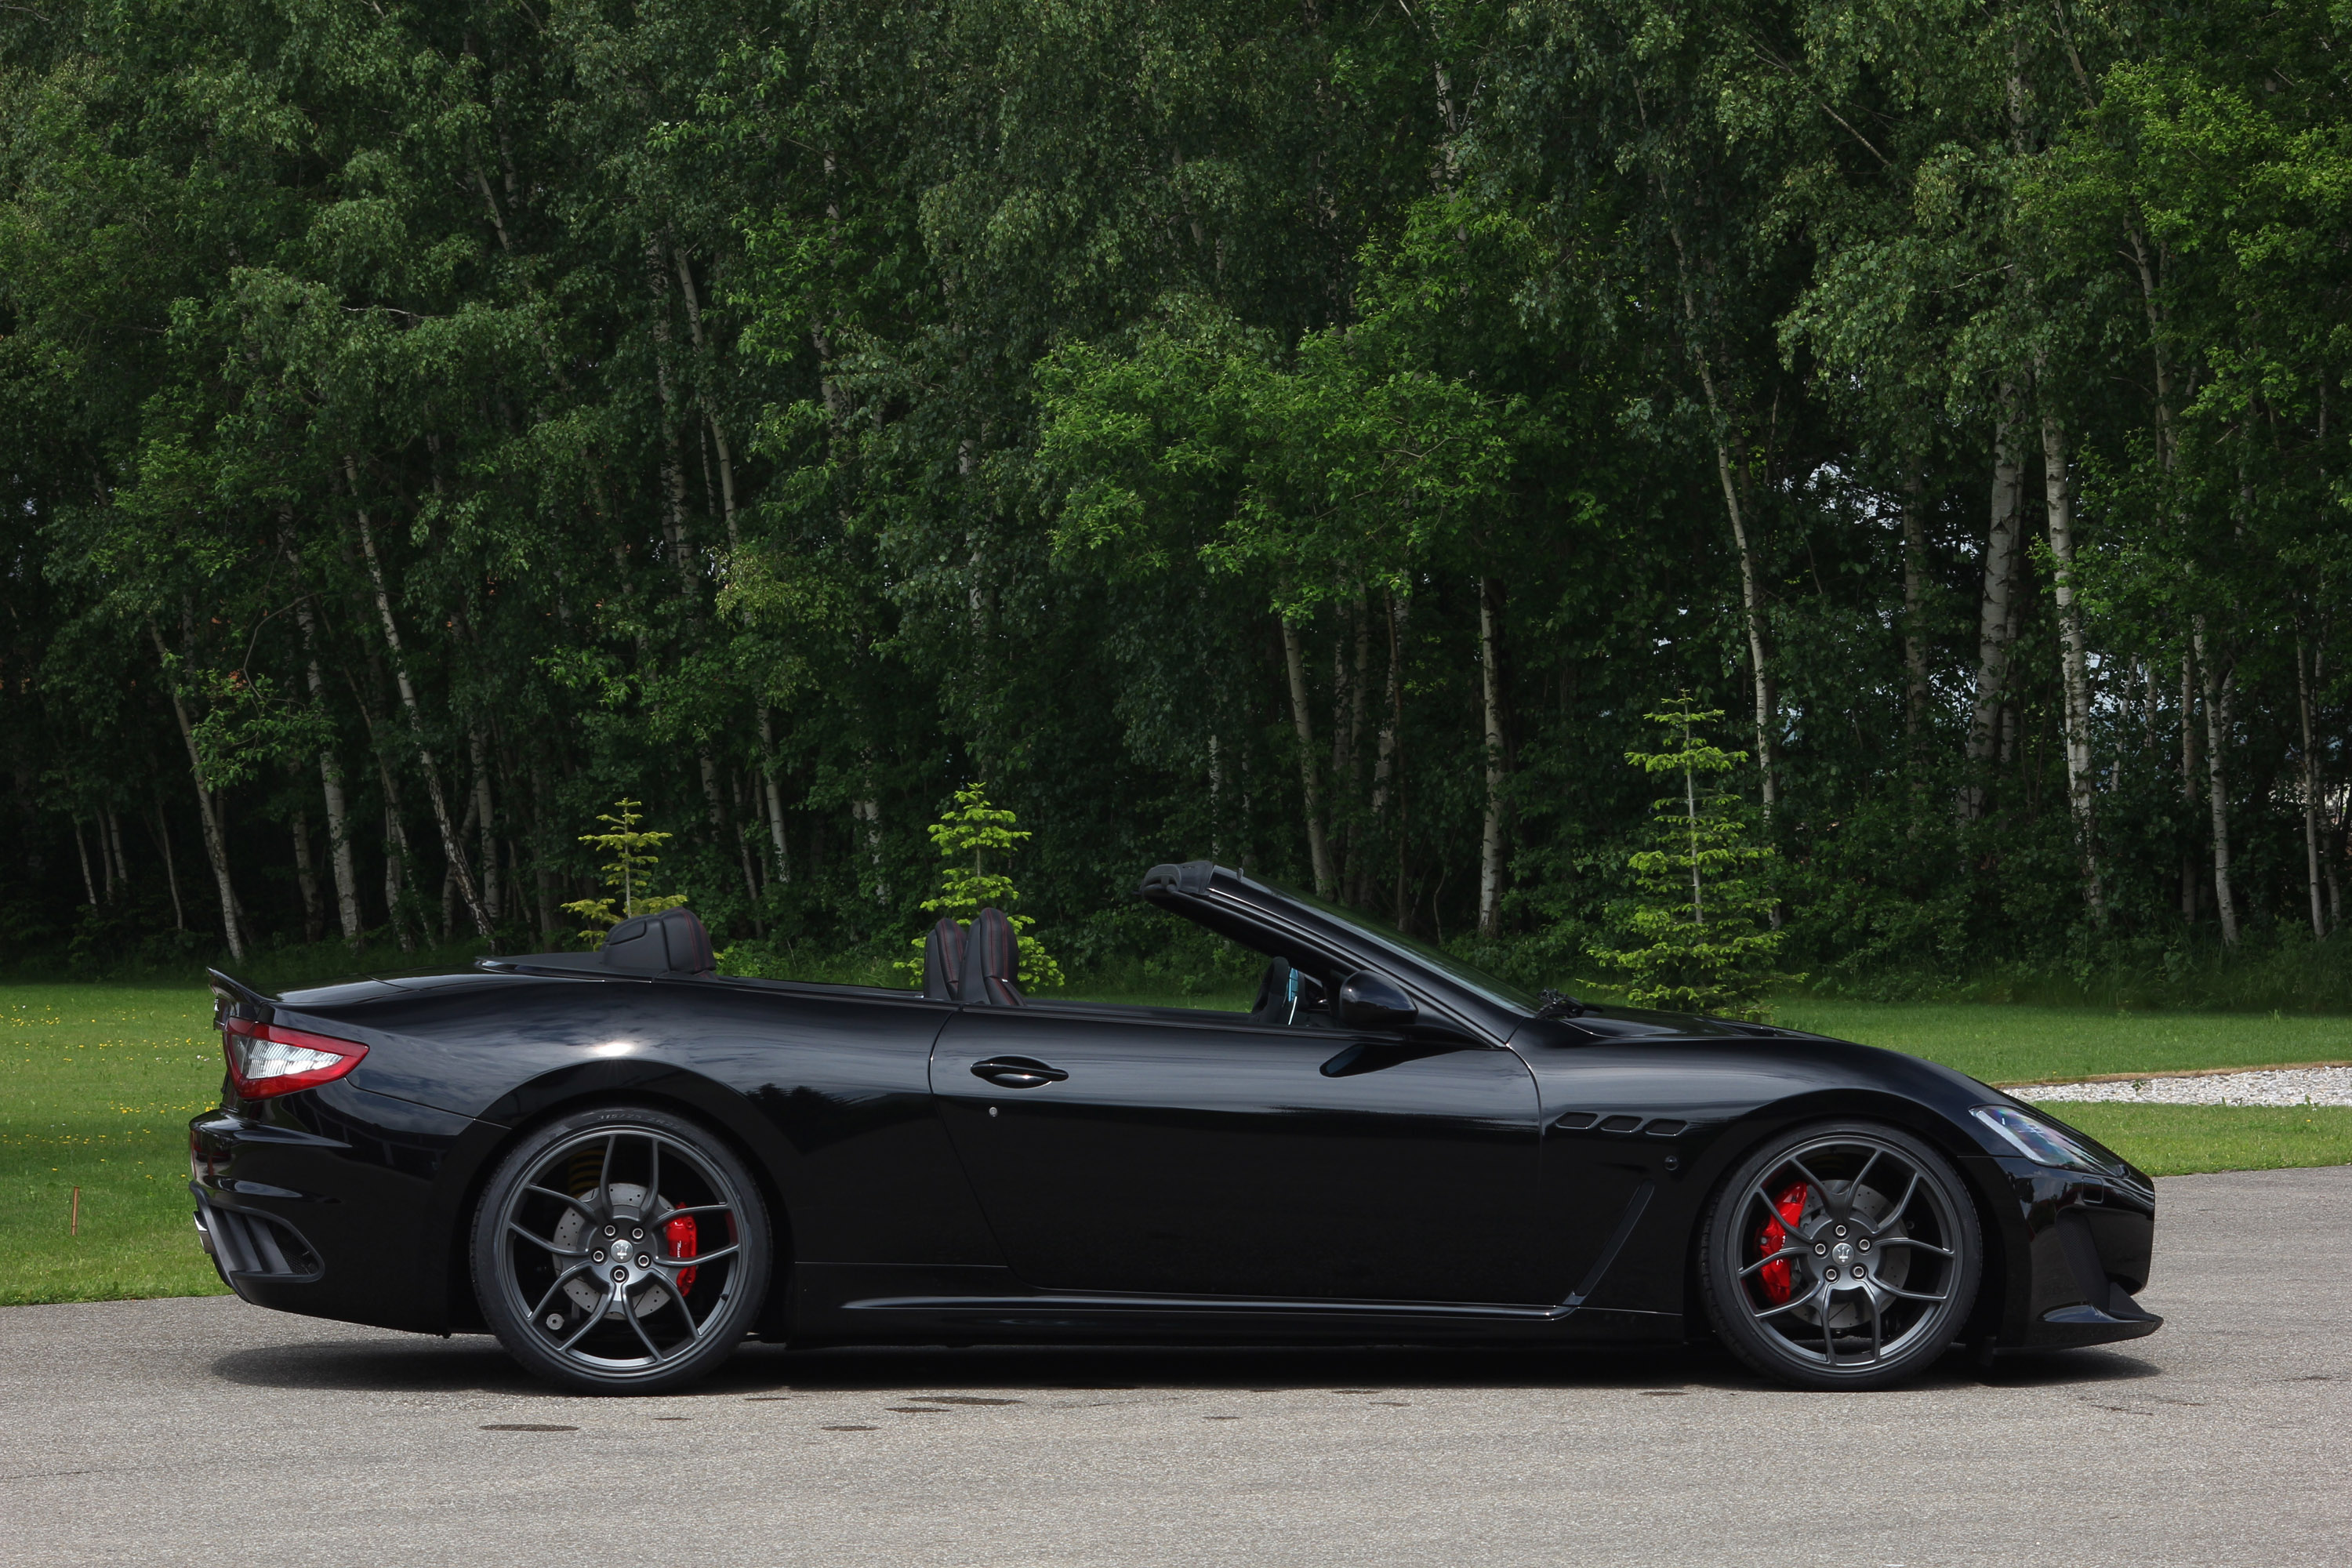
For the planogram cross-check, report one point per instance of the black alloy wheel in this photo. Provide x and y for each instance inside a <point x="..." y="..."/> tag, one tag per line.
<point x="1844" y="1255"/>
<point x="621" y="1251"/>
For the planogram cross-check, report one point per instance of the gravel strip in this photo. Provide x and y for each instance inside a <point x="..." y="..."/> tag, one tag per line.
<point x="2281" y="1085"/>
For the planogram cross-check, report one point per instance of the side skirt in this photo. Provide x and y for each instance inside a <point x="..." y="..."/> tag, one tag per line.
<point x="866" y="1304"/>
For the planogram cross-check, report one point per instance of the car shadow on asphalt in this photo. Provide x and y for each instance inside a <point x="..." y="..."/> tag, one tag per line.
<point x="474" y="1363"/>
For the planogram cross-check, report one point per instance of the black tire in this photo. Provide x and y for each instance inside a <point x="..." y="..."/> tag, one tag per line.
<point x="643" y="1318"/>
<point x="1873" y="1281"/>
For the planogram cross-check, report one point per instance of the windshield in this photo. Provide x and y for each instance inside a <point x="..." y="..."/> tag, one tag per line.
<point x="1380" y="935"/>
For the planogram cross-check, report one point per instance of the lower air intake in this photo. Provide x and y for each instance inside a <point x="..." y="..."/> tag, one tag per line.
<point x="254" y="1246"/>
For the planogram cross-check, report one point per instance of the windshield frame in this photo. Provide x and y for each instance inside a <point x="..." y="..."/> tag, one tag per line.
<point x="1491" y="989"/>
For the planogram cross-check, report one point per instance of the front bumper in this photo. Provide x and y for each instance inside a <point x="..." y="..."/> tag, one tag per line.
<point x="2080" y="1253"/>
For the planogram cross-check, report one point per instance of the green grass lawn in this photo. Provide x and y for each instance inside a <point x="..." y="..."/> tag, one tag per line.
<point x="96" y="1084"/>
<point x="2006" y="1043"/>
<point x="2182" y="1139"/>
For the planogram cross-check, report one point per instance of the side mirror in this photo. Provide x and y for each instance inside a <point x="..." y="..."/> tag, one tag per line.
<point x="1369" y="1000"/>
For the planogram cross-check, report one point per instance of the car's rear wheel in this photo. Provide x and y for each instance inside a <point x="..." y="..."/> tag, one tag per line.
<point x="1843" y="1255"/>
<point x="621" y="1251"/>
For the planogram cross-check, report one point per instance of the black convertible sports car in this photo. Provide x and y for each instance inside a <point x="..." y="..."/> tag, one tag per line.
<point x="622" y="1164"/>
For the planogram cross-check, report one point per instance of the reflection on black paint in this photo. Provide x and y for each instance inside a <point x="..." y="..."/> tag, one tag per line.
<point x="1240" y="1160"/>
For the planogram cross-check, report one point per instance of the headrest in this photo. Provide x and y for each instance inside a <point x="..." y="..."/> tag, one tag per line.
<point x="992" y="960"/>
<point x="943" y="952"/>
<point x="674" y="941"/>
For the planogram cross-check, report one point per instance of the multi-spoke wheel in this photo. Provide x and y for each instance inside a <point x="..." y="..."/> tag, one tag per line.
<point x="1841" y="1256"/>
<point x="621" y="1251"/>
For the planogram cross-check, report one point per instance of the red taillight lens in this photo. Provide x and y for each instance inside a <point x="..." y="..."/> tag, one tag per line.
<point x="263" y="1060"/>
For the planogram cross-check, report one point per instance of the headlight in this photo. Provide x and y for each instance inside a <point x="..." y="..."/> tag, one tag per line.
<point x="2045" y="1143"/>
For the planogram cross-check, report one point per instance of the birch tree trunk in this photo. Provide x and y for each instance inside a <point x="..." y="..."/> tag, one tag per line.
<point x="2217" y="793"/>
<point x="1490" y="839"/>
<point x="330" y="779"/>
<point x="1993" y="618"/>
<point x="776" y="796"/>
<point x="306" y="876"/>
<point x="1729" y="471"/>
<point x="719" y="443"/>
<point x="2058" y="492"/>
<point x="451" y="843"/>
<point x="1914" y="615"/>
<point x="1388" y="773"/>
<point x="2189" y="885"/>
<point x="171" y="865"/>
<point x="481" y="812"/>
<point x="81" y="853"/>
<point x="1319" y="850"/>
<point x="207" y="809"/>
<point x="2303" y="684"/>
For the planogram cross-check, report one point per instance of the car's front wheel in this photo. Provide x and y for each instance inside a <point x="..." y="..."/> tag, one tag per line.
<point x="621" y="1251"/>
<point x="1843" y="1255"/>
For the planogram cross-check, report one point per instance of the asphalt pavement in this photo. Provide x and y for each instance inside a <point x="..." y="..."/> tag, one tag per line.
<point x="206" y="1430"/>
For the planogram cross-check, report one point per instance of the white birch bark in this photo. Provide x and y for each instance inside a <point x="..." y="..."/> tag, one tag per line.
<point x="114" y="837"/>
<point x="81" y="853"/>
<point x="2058" y="492"/>
<point x="1490" y="838"/>
<point x="481" y="812"/>
<point x="163" y="831"/>
<point x="1319" y="850"/>
<point x="331" y="781"/>
<point x="452" y="843"/>
<point x="1993" y="617"/>
<point x="208" y="810"/>
<point x="1914" y="613"/>
<point x="1387" y="772"/>
<point x="306" y="877"/>
<point x="2217" y="793"/>
<point x="2303" y="684"/>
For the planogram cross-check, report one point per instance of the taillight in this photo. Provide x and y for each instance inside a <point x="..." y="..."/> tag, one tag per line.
<point x="263" y="1060"/>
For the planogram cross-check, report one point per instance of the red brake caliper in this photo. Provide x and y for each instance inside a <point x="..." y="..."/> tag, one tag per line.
<point x="679" y="1234"/>
<point x="1791" y="1206"/>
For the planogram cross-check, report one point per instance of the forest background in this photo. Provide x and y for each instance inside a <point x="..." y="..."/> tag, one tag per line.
<point x="1311" y="435"/>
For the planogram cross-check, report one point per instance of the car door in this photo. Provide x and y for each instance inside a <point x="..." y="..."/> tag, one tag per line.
<point x="1150" y="1151"/>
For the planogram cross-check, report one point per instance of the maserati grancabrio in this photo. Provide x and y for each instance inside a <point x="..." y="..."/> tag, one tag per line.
<point x="624" y="1165"/>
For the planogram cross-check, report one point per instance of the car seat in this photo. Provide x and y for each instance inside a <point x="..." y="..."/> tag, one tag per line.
<point x="1275" y="994"/>
<point x="943" y="952"/>
<point x="991" y="958"/>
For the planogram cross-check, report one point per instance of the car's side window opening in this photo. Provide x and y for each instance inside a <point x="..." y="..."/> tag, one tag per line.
<point x="1186" y="966"/>
<point x="1290" y="997"/>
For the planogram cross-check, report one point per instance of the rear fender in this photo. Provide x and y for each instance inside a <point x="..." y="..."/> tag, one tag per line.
<point x="583" y="1085"/>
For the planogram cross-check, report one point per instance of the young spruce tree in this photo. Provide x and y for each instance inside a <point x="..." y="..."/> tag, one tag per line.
<point x="1702" y="924"/>
<point x="629" y="873"/>
<point x="970" y="831"/>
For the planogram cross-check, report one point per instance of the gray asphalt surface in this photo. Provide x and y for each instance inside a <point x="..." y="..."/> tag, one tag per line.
<point x="162" y="1432"/>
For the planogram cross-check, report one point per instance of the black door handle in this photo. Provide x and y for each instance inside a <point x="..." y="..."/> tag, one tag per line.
<point x="1016" y="1072"/>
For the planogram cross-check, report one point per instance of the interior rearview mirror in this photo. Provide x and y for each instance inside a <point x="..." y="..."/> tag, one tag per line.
<point x="1372" y="1001"/>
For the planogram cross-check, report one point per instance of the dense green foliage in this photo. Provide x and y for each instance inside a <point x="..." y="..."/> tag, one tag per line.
<point x="1311" y="435"/>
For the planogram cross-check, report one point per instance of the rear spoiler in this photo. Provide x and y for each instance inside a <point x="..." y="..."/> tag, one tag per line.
<point x="233" y="994"/>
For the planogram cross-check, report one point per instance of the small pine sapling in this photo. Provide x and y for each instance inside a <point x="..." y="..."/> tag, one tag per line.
<point x="629" y="873"/>
<point x="972" y="830"/>
<point x="1704" y="944"/>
